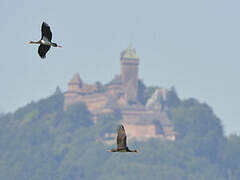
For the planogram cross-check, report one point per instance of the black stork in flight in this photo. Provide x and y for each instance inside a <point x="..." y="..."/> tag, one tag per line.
<point x="121" y="141"/>
<point x="45" y="41"/>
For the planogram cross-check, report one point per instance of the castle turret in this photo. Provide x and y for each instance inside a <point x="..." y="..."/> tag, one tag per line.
<point x="75" y="84"/>
<point x="74" y="87"/>
<point x="129" y="73"/>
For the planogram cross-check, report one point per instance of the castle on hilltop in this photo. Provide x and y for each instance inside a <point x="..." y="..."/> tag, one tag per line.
<point x="123" y="92"/>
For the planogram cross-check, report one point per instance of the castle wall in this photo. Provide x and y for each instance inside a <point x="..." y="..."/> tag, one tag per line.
<point x="115" y="90"/>
<point x="69" y="99"/>
<point x="140" y="116"/>
<point x="94" y="102"/>
<point x="73" y="88"/>
<point x="140" y="131"/>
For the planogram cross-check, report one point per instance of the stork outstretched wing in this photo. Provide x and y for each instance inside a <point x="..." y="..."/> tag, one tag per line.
<point x="46" y="31"/>
<point x="121" y="137"/>
<point x="42" y="50"/>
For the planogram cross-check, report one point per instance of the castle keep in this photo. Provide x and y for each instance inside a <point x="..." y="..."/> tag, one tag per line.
<point x="141" y="121"/>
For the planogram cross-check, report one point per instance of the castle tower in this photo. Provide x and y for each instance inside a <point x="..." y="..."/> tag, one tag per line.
<point x="129" y="73"/>
<point x="74" y="87"/>
<point x="75" y="84"/>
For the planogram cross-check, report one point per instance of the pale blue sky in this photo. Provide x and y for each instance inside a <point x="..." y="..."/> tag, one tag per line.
<point x="192" y="45"/>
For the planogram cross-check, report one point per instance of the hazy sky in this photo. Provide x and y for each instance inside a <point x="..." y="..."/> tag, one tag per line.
<point x="192" y="45"/>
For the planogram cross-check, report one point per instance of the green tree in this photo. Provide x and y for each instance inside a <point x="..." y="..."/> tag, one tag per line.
<point x="229" y="157"/>
<point x="107" y="123"/>
<point x="172" y="98"/>
<point x="77" y="115"/>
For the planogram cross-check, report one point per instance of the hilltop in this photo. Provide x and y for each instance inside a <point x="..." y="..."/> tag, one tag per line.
<point x="42" y="141"/>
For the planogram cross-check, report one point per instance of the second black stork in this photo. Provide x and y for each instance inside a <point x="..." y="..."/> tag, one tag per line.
<point x="45" y="41"/>
<point x="121" y="141"/>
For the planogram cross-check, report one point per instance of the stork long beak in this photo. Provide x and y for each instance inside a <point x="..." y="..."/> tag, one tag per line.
<point x="27" y="42"/>
<point x="59" y="46"/>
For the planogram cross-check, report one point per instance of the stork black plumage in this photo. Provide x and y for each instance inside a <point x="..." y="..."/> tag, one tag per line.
<point x="121" y="141"/>
<point x="45" y="41"/>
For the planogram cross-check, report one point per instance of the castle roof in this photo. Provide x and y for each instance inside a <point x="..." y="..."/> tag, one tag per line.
<point x="158" y="97"/>
<point x="129" y="53"/>
<point x="116" y="80"/>
<point x="76" y="79"/>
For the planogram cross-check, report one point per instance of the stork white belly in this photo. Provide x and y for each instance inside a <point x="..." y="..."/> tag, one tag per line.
<point x="45" y="41"/>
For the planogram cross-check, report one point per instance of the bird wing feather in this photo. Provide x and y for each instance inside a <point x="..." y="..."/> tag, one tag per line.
<point x="46" y="31"/>
<point x="42" y="50"/>
<point x="121" y="138"/>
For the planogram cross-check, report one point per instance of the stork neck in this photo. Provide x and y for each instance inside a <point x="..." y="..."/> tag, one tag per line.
<point x="128" y="150"/>
<point x="113" y="150"/>
<point x="34" y="42"/>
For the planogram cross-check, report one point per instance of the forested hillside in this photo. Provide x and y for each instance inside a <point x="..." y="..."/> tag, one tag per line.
<point x="41" y="141"/>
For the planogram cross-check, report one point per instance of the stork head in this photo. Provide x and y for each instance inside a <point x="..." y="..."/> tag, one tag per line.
<point x="121" y="127"/>
<point x="55" y="45"/>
